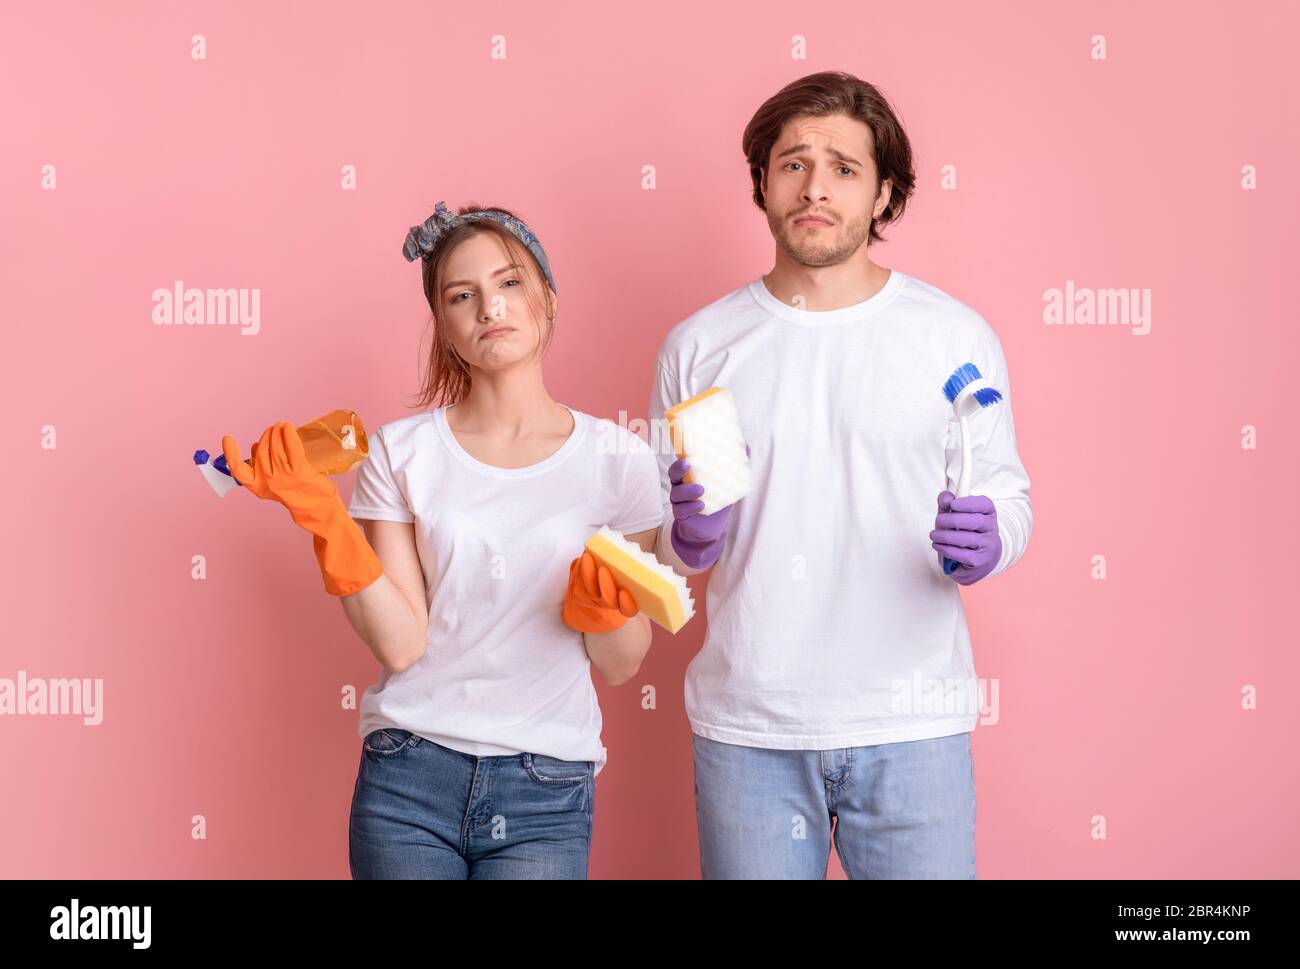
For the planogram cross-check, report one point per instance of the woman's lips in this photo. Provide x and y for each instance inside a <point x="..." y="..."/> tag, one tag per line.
<point x="497" y="329"/>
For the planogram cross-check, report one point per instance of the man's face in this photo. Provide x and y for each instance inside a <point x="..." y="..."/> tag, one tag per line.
<point x="822" y="167"/>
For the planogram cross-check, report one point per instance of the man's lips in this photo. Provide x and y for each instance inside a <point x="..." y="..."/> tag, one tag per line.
<point x="812" y="220"/>
<point x="497" y="329"/>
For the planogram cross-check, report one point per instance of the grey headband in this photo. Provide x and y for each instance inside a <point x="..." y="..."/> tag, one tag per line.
<point x="422" y="239"/>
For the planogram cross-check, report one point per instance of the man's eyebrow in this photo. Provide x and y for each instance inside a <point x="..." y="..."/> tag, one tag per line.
<point x="795" y="149"/>
<point x="467" y="282"/>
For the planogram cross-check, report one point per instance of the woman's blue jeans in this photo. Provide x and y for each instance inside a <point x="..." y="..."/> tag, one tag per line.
<point x="422" y="810"/>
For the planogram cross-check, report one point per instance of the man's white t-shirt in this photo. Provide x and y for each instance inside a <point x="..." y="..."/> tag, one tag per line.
<point x="830" y="621"/>
<point x="502" y="673"/>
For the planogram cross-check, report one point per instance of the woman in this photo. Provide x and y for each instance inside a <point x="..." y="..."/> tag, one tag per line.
<point x="481" y="738"/>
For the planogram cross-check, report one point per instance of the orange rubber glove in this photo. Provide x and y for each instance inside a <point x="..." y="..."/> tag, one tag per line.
<point x="281" y="471"/>
<point x="592" y="602"/>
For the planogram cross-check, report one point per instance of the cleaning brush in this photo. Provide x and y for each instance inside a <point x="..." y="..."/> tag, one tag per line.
<point x="969" y="393"/>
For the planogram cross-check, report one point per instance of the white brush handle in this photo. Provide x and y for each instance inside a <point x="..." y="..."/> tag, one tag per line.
<point x="963" y="479"/>
<point x="963" y="483"/>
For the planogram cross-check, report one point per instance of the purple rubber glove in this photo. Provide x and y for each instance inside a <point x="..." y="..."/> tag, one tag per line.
<point x="966" y="531"/>
<point x="698" y="539"/>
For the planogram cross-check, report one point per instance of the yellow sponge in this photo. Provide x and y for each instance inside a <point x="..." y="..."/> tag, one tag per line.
<point x="659" y="592"/>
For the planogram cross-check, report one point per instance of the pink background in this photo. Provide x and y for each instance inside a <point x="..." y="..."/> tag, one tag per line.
<point x="1118" y="698"/>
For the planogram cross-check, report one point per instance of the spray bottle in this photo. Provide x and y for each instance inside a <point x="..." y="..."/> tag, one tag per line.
<point x="334" y="444"/>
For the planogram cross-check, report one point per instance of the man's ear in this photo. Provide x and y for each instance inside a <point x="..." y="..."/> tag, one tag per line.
<point x="762" y="184"/>
<point x="882" y="197"/>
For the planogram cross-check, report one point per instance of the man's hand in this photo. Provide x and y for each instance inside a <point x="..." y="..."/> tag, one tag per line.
<point x="697" y="539"/>
<point x="966" y="531"/>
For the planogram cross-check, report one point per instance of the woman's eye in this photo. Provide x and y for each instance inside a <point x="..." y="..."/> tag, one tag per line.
<point x="456" y="298"/>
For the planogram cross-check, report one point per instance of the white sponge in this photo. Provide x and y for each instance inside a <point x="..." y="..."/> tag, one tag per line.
<point x="706" y="431"/>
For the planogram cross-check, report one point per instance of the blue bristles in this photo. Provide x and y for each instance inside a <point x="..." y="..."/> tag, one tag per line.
<point x="959" y="379"/>
<point x="964" y="375"/>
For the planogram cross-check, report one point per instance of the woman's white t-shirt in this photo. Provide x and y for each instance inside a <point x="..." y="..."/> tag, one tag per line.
<point x="502" y="673"/>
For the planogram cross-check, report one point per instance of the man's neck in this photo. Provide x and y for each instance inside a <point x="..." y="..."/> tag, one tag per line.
<point x="824" y="288"/>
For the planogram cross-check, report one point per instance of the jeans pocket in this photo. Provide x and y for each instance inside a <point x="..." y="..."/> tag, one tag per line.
<point x="387" y="741"/>
<point x="552" y="770"/>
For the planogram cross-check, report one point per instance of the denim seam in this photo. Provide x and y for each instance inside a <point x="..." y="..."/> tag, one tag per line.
<point x="833" y="787"/>
<point x="467" y="822"/>
<point x="543" y="779"/>
<point x="409" y="742"/>
<point x="974" y="812"/>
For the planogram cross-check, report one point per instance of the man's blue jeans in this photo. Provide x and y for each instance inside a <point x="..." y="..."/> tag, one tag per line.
<point x="422" y="810"/>
<point x="901" y="810"/>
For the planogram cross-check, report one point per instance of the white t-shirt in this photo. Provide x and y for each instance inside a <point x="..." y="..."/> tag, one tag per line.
<point x="830" y="621"/>
<point x="502" y="673"/>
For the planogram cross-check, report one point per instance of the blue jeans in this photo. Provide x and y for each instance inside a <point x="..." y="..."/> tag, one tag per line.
<point x="901" y="810"/>
<point x="422" y="810"/>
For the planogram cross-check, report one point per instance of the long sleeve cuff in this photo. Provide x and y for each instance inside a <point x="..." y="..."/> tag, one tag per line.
<point x="1015" y="524"/>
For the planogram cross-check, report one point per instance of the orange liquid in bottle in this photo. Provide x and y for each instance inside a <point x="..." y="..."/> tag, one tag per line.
<point x="334" y="443"/>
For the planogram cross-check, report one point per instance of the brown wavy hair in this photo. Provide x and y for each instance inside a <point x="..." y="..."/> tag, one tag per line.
<point x="827" y="93"/>
<point x="446" y="378"/>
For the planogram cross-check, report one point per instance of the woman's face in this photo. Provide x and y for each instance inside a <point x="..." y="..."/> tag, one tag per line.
<point x="484" y="312"/>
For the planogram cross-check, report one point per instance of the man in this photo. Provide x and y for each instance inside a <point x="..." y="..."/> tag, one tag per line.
<point x="836" y="683"/>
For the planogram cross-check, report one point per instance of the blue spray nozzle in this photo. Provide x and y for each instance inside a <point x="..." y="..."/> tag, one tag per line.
<point x="215" y="473"/>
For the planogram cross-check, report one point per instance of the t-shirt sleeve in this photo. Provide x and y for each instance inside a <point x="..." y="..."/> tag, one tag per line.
<point x="377" y="494"/>
<point x="664" y="394"/>
<point x="640" y="507"/>
<point x="996" y="468"/>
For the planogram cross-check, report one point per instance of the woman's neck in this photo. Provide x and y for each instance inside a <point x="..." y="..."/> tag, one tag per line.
<point x="511" y="405"/>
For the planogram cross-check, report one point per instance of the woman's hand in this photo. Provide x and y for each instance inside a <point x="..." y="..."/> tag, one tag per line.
<point x="593" y="603"/>
<point x="281" y="471"/>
